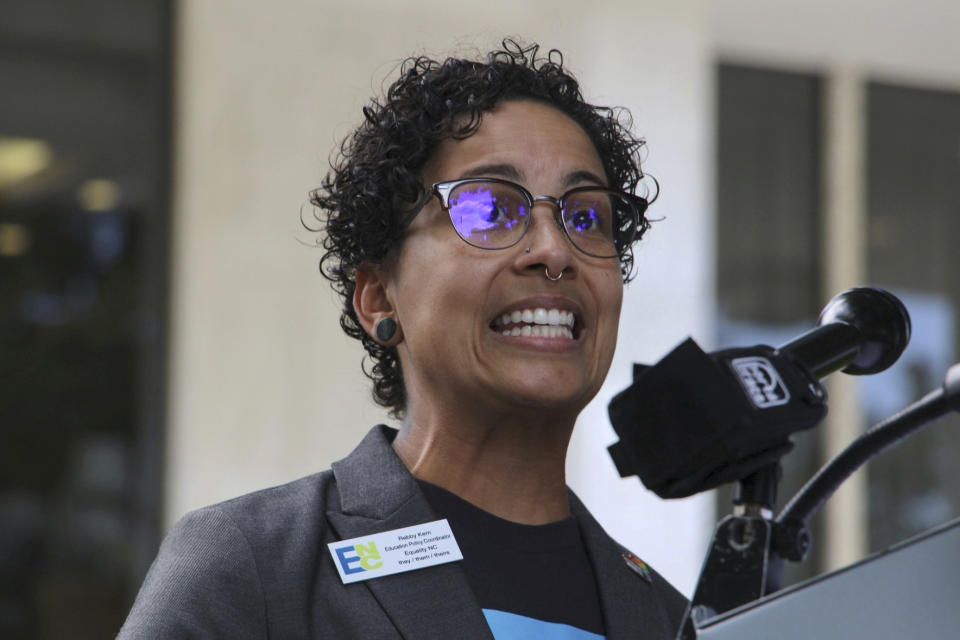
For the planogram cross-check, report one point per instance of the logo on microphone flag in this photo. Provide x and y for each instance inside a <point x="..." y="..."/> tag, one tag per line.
<point x="759" y="378"/>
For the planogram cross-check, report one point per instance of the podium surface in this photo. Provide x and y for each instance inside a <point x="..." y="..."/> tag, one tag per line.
<point x="911" y="590"/>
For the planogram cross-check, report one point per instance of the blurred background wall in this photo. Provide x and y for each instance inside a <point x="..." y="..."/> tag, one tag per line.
<point x="168" y="341"/>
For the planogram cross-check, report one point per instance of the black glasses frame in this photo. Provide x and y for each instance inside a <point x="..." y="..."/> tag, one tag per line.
<point x="639" y="223"/>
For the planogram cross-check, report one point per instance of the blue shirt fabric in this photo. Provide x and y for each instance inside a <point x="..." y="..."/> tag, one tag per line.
<point x="511" y="626"/>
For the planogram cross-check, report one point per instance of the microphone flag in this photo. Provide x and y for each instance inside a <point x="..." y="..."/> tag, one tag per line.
<point x="695" y="421"/>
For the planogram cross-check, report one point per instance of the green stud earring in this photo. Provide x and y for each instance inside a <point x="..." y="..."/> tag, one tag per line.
<point x="386" y="329"/>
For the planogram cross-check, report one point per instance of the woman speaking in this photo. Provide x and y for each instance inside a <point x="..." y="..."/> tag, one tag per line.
<point x="479" y="227"/>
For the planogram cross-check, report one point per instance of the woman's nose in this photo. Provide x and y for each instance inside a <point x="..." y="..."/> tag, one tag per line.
<point x="546" y="240"/>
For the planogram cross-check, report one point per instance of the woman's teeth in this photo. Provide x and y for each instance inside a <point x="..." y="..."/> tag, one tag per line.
<point x="539" y="331"/>
<point x="537" y="323"/>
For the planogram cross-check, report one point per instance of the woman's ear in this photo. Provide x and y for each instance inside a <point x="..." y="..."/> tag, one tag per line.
<point x="372" y="304"/>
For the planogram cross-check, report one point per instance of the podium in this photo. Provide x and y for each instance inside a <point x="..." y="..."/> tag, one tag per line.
<point x="911" y="590"/>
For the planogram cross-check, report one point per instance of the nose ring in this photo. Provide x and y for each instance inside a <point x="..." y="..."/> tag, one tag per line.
<point x="546" y="272"/>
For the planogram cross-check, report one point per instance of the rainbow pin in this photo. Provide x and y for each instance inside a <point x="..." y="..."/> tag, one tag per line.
<point x="638" y="566"/>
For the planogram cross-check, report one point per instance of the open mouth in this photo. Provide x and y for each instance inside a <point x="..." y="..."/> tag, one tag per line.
<point x="537" y="323"/>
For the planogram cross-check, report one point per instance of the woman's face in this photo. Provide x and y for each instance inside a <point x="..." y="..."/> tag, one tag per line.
<point x="451" y="298"/>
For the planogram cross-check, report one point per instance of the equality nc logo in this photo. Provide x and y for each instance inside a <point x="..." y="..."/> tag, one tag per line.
<point x="359" y="557"/>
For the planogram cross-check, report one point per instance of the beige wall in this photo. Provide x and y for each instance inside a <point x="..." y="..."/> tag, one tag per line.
<point x="913" y="43"/>
<point x="264" y="387"/>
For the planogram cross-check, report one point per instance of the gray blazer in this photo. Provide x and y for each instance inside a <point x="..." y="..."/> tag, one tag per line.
<point x="258" y="567"/>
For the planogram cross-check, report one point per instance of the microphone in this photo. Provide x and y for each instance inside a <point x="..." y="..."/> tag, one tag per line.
<point x="695" y="421"/>
<point x="860" y="331"/>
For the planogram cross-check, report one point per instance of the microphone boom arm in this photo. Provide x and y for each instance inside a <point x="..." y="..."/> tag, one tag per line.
<point x="883" y="435"/>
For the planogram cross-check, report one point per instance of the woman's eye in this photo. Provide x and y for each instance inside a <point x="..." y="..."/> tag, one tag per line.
<point x="496" y="212"/>
<point x="585" y="220"/>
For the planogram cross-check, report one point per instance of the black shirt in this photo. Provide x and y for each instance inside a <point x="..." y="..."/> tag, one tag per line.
<point x="529" y="579"/>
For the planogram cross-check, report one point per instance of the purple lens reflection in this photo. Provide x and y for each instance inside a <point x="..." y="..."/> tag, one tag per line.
<point x="488" y="215"/>
<point x="588" y="217"/>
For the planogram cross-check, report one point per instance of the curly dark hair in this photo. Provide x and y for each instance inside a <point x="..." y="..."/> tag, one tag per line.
<point x="377" y="174"/>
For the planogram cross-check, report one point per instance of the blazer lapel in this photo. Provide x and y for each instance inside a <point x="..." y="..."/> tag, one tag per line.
<point x="378" y="494"/>
<point x="630" y="604"/>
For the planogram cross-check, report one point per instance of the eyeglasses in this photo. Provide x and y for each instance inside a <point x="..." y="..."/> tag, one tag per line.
<point x="489" y="213"/>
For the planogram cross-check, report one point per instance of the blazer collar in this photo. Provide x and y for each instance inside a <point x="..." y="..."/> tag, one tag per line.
<point x="377" y="494"/>
<point x="372" y="480"/>
<point x="631" y="604"/>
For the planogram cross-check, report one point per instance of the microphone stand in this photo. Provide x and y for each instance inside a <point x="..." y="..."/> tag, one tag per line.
<point x="746" y="555"/>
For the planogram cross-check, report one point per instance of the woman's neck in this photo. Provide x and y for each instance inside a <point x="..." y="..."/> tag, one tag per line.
<point x="512" y="468"/>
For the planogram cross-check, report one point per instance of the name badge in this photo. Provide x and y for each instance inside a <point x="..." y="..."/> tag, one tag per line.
<point x="383" y="554"/>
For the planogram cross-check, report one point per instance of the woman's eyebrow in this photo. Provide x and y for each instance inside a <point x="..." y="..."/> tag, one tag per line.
<point x="576" y="177"/>
<point x="511" y="172"/>
<point x="496" y="170"/>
